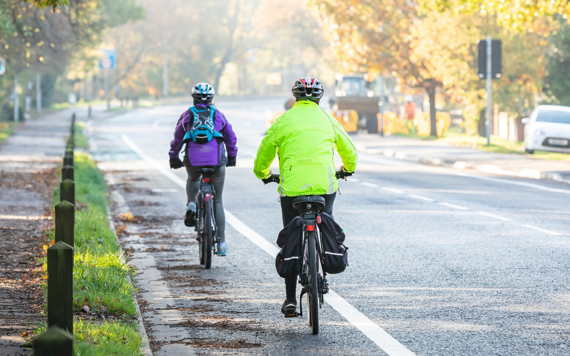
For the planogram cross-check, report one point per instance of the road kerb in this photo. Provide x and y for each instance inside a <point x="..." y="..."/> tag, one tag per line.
<point x="145" y="350"/>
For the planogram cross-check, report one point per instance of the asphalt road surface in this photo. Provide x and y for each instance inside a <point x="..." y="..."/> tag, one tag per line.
<point x="442" y="262"/>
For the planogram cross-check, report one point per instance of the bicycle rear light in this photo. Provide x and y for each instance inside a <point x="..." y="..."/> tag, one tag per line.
<point x="310" y="227"/>
<point x="318" y="219"/>
<point x="205" y="180"/>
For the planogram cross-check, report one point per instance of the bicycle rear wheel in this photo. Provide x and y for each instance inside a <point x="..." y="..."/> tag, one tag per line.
<point x="313" y="295"/>
<point x="208" y="237"/>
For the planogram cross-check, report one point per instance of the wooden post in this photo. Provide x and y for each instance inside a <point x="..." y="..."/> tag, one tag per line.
<point x="53" y="342"/>
<point x="67" y="160"/>
<point x="67" y="173"/>
<point x="60" y="286"/>
<point x="64" y="222"/>
<point x="67" y="191"/>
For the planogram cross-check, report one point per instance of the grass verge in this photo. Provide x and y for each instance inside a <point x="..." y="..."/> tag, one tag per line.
<point x="6" y="129"/>
<point x="80" y="139"/>
<point x="458" y="139"/>
<point x="101" y="274"/>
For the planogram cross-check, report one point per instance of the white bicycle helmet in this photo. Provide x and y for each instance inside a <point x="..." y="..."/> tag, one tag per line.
<point x="203" y="92"/>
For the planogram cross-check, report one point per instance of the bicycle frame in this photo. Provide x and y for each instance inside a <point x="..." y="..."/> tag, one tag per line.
<point x="206" y="197"/>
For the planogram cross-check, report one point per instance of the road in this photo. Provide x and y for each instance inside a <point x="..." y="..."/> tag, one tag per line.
<point x="442" y="261"/>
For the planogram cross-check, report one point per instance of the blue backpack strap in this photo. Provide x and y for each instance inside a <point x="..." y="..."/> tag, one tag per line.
<point x="213" y="117"/>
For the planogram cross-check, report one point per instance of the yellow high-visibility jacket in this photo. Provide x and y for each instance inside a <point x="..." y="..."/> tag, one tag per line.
<point x="305" y="138"/>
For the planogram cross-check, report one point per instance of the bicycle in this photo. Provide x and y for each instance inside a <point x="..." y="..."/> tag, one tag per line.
<point x="206" y="227"/>
<point x="314" y="282"/>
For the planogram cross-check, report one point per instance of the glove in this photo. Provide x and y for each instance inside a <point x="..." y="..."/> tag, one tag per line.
<point x="176" y="163"/>
<point x="231" y="161"/>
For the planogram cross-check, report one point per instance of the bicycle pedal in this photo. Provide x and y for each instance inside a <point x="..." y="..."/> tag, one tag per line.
<point x="292" y="315"/>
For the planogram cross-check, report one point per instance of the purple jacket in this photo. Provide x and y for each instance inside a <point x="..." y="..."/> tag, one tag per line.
<point x="206" y="154"/>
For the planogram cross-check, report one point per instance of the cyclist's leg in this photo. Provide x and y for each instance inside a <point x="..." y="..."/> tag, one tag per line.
<point x="192" y="183"/>
<point x="288" y="214"/>
<point x="329" y="202"/>
<point x="192" y="188"/>
<point x="218" y="181"/>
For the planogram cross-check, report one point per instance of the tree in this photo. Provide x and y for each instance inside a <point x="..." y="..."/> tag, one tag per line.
<point x="512" y="14"/>
<point x="448" y="44"/>
<point x="377" y="36"/>
<point x="557" y="80"/>
<point x="35" y="39"/>
<point x="48" y="3"/>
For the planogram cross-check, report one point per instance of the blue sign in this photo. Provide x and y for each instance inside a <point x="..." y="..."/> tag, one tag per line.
<point x="2" y="65"/>
<point x="109" y="60"/>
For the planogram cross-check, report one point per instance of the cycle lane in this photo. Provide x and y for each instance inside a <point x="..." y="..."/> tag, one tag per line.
<point x="247" y="276"/>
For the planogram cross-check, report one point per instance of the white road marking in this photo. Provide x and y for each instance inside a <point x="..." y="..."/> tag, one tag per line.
<point x="549" y="232"/>
<point x="369" y="184"/>
<point x="420" y="197"/>
<point x="419" y="166"/>
<point x="393" y="190"/>
<point x="379" y="336"/>
<point x="453" y="206"/>
<point x="353" y="180"/>
<point x="529" y="185"/>
<point x="493" y="216"/>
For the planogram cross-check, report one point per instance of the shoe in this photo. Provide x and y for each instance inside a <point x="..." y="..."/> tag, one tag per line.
<point x="289" y="308"/>
<point x="222" y="249"/>
<point x="190" y="218"/>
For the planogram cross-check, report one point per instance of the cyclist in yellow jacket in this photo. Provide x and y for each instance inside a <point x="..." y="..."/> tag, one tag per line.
<point x="304" y="138"/>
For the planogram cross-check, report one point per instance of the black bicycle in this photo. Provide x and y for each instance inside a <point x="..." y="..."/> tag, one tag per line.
<point x="311" y="277"/>
<point x="205" y="219"/>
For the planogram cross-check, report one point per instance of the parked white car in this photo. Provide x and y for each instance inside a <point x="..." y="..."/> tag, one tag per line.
<point x="548" y="129"/>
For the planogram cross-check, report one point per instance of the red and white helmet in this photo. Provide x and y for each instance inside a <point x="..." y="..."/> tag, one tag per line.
<point x="308" y="89"/>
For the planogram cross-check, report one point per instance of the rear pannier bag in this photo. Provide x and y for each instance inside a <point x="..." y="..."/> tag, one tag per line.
<point x="288" y="260"/>
<point x="335" y="254"/>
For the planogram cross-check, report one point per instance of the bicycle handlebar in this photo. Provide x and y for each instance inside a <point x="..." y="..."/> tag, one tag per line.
<point x="274" y="178"/>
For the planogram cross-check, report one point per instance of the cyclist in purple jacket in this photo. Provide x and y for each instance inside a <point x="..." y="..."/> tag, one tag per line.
<point x="207" y="135"/>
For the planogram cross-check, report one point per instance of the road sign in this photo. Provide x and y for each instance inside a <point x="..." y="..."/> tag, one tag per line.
<point x="109" y="59"/>
<point x="2" y="65"/>
<point x="496" y="59"/>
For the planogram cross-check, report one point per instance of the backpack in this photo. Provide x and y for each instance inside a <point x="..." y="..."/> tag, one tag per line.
<point x="203" y="126"/>
<point x="335" y="253"/>
<point x="288" y="260"/>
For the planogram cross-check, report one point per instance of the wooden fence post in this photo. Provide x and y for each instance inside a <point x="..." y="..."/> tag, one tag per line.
<point x="53" y="342"/>
<point x="67" y="191"/>
<point x="67" y="173"/>
<point x="60" y="286"/>
<point x="65" y="222"/>
<point x="68" y="159"/>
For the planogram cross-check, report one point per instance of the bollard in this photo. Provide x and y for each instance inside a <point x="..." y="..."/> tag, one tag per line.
<point x="67" y="191"/>
<point x="89" y="111"/>
<point x="68" y="160"/>
<point x="53" y="342"/>
<point x="60" y="286"/>
<point x="64" y="222"/>
<point x="67" y="173"/>
<point x="73" y="117"/>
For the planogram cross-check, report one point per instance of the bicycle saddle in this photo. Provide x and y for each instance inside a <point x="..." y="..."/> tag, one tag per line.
<point x="308" y="199"/>
<point x="206" y="170"/>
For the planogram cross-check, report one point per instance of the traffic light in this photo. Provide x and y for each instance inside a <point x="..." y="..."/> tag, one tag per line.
<point x="496" y="59"/>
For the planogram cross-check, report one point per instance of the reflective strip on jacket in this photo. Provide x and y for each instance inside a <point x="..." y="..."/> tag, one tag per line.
<point x="305" y="138"/>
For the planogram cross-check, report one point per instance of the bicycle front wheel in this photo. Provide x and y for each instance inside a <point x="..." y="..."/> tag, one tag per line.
<point x="313" y="295"/>
<point x="208" y="236"/>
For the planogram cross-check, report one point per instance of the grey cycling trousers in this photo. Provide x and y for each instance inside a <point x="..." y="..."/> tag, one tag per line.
<point x="217" y="179"/>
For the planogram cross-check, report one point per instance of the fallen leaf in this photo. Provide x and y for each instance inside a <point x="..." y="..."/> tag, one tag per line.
<point x="85" y="308"/>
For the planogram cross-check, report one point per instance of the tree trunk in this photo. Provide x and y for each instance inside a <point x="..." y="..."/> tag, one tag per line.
<point x="229" y="52"/>
<point x="432" y="113"/>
